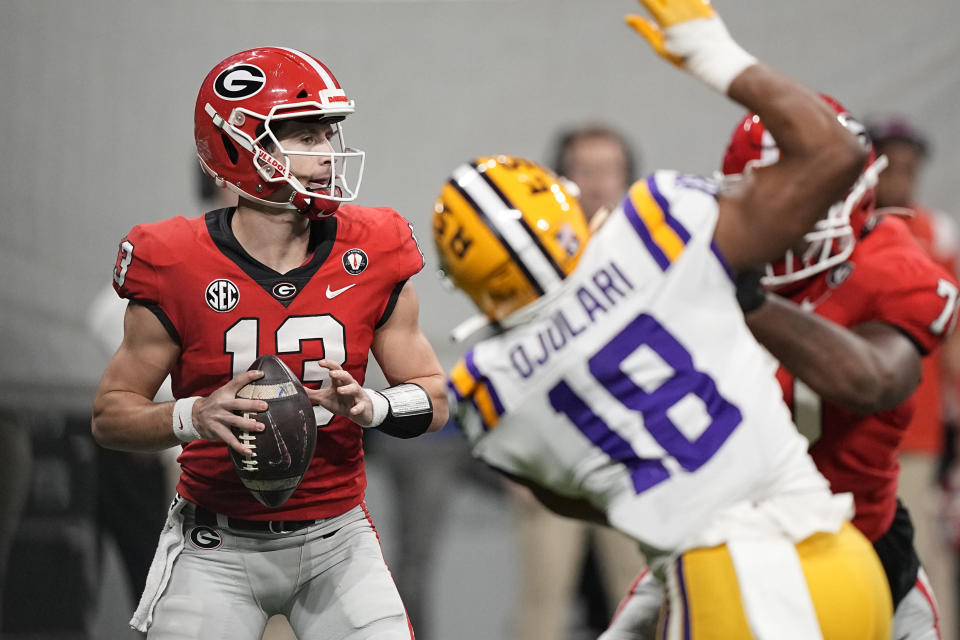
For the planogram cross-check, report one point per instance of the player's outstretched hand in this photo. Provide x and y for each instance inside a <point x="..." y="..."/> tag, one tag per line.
<point x="691" y="35"/>
<point x="214" y="415"/>
<point x="667" y="13"/>
<point x="344" y="397"/>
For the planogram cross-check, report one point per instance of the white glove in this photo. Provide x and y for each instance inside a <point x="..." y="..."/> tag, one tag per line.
<point x="690" y="34"/>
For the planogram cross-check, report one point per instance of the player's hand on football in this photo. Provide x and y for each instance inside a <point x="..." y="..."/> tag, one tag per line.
<point x="344" y="397"/>
<point x="214" y="415"/>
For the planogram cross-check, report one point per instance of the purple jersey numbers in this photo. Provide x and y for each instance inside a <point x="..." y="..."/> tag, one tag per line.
<point x="606" y="367"/>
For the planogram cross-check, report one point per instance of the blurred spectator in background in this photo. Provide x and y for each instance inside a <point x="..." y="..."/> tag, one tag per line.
<point x="561" y="558"/>
<point x="922" y="479"/>
<point x="599" y="161"/>
<point x="15" y="459"/>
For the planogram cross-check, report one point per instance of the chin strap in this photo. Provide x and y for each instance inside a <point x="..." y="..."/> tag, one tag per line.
<point x="479" y="325"/>
<point x="316" y="207"/>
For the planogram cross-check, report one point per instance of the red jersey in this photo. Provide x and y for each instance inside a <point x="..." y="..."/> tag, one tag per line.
<point x="886" y="279"/>
<point x="937" y="236"/>
<point x="224" y="309"/>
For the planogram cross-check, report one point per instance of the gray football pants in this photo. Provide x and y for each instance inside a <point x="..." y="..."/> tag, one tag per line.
<point x="330" y="580"/>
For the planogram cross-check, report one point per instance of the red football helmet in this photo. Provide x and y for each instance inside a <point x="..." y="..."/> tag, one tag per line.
<point x="833" y="237"/>
<point x="239" y="102"/>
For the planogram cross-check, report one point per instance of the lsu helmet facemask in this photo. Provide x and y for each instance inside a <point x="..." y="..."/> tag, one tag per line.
<point x="238" y="107"/>
<point x="834" y="236"/>
<point x="507" y="231"/>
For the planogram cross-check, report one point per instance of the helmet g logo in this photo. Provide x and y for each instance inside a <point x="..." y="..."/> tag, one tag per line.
<point x="839" y="274"/>
<point x="239" y="82"/>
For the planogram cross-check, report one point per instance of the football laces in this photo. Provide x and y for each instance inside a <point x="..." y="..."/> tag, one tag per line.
<point x="248" y="439"/>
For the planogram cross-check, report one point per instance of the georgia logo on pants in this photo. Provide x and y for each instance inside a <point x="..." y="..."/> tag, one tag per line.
<point x="205" y="538"/>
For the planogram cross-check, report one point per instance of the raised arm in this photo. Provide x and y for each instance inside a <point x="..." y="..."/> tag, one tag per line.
<point x="819" y="160"/>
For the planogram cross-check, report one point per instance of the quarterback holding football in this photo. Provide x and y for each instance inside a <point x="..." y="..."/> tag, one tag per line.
<point x="265" y="314"/>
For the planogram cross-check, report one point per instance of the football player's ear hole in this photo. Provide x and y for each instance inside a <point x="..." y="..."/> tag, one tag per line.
<point x="231" y="150"/>
<point x="266" y="143"/>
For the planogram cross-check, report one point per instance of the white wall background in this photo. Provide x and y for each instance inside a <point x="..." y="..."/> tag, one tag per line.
<point x="96" y="101"/>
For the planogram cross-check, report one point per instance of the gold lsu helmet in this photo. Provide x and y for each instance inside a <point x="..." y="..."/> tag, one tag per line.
<point x="507" y="231"/>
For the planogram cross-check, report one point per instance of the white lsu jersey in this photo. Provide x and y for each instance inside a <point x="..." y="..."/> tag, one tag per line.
<point x="638" y="387"/>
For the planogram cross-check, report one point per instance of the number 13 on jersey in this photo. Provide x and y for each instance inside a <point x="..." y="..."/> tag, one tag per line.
<point x="241" y="343"/>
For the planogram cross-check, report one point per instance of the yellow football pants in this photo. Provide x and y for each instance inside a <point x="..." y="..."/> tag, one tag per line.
<point x="829" y="587"/>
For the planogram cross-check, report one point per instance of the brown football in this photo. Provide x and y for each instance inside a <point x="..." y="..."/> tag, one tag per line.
<point x="283" y="450"/>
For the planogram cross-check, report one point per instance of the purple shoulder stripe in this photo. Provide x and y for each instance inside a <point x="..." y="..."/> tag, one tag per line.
<point x="479" y="377"/>
<point x="634" y="217"/>
<point x="664" y="205"/>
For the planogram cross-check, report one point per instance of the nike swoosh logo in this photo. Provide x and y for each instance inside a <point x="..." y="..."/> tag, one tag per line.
<point x="333" y="293"/>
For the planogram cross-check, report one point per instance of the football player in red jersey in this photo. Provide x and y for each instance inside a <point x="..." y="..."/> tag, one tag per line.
<point x="848" y="313"/>
<point x="922" y="482"/>
<point x="278" y="274"/>
<point x="850" y="368"/>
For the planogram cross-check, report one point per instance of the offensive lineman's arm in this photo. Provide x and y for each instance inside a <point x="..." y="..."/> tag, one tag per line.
<point x="868" y="368"/>
<point x="819" y="159"/>
<point x="124" y="414"/>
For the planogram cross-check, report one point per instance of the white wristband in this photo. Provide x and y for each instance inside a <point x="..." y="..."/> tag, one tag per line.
<point x="183" y="420"/>
<point x="381" y="408"/>
<point x="708" y="51"/>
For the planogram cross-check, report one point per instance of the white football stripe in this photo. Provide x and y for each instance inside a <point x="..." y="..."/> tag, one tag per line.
<point x="328" y="80"/>
<point x="507" y="223"/>
<point x="267" y="391"/>
<point x="773" y="588"/>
